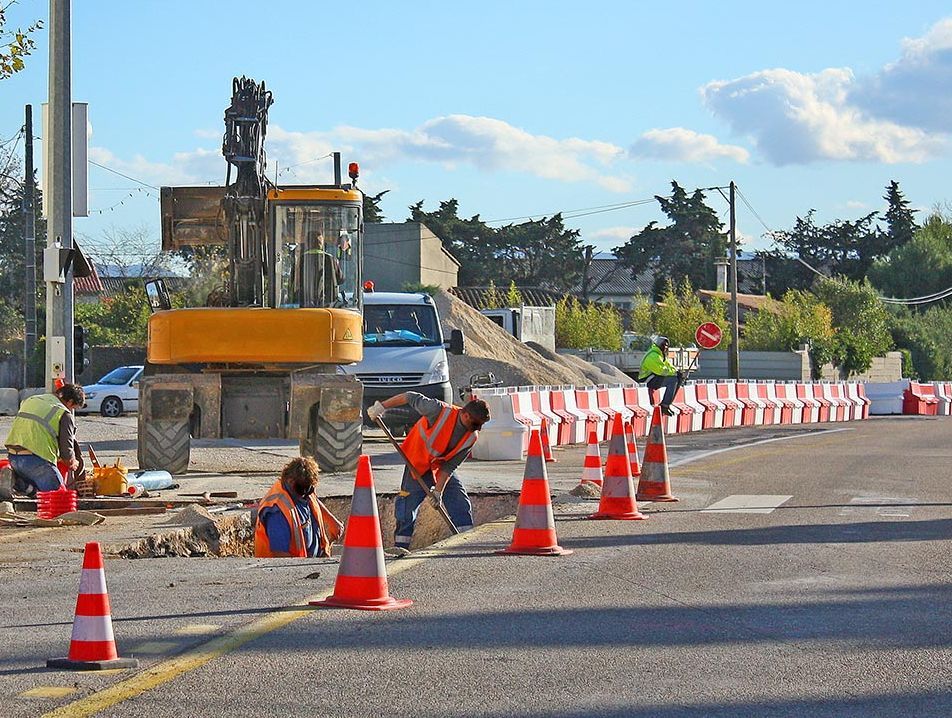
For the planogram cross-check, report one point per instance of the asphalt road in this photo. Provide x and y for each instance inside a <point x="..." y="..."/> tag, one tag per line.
<point x="828" y="594"/>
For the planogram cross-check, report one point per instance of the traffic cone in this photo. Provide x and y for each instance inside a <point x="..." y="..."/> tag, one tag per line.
<point x="362" y="575"/>
<point x="655" y="483"/>
<point x="618" y="491"/>
<point x="92" y="646"/>
<point x="546" y="447"/>
<point x="592" y="468"/>
<point x="534" y="533"/>
<point x="632" y="449"/>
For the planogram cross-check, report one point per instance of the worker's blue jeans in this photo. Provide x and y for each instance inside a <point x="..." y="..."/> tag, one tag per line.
<point x="35" y="472"/>
<point x="412" y="495"/>
<point x="670" y="384"/>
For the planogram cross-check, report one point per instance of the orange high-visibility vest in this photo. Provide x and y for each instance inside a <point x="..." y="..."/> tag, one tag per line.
<point x="427" y="445"/>
<point x="277" y="496"/>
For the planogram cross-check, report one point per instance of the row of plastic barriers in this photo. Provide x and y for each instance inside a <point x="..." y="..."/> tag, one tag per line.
<point x="911" y="397"/>
<point x="570" y="412"/>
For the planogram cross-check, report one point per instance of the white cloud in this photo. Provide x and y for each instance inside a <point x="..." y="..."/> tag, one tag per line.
<point x="855" y="204"/>
<point x="682" y="145"/>
<point x="611" y="233"/>
<point x="482" y="142"/>
<point x="914" y="90"/>
<point x="799" y="118"/>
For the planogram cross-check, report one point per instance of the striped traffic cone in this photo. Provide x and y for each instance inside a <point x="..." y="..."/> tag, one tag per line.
<point x="362" y="575"/>
<point x="92" y="646"/>
<point x="546" y="446"/>
<point x="632" y="449"/>
<point x="534" y="533"/>
<point x="618" y="491"/>
<point x="592" y="468"/>
<point x="655" y="482"/>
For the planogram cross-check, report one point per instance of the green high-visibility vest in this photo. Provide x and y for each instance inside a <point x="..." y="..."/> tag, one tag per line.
<point x="36" y="426"/>
<point x="655" y="363"/>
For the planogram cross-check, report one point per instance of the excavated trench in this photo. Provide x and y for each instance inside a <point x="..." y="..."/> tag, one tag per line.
<point x="193" y="531"/>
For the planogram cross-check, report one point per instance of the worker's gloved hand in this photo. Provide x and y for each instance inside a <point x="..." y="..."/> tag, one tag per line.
<point x="436" y="497"/>
<point x="375" y="411"/>
<point x="681" y="376"/>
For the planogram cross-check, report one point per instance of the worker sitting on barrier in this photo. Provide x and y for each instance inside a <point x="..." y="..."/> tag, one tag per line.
<point x="657" y="372"/>
<point x="43" y="431"/>
<point x="292" y="522"/>
<point x="437" y="444"/>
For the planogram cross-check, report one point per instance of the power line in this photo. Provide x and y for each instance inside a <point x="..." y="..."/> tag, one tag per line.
<point x="117" y="172"/>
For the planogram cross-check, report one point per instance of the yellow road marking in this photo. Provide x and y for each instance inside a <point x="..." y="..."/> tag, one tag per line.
<point x="153" y="647"/>
<point x="172" y="668"/>
<point x="48" y="692"/>
<point x="196" y="629"/>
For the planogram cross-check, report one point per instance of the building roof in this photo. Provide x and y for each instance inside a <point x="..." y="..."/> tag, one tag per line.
<point x="608" y="277"/>
<point x="88" y="285"/>
<point x="531" y="296"/>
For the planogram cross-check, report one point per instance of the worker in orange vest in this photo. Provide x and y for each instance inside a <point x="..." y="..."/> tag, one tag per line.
<point x="437" y="444"/>
<point x="292" y="522"/>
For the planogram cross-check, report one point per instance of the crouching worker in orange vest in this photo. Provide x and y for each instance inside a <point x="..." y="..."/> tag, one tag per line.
<point x="437" y="444"/>
<point x="292" y="522"/>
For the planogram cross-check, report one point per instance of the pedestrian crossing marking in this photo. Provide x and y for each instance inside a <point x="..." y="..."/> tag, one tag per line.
<point x="885" y="506"/>
<point x="47" y="692"/>
<point x="747" y="504"/>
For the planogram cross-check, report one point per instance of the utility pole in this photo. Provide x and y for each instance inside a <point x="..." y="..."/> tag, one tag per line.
<point x="733" y="357"/>
<point x="59" y="295"/>
<point x="29" y="236"/>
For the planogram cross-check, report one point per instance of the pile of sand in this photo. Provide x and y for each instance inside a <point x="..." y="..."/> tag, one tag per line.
<point x="490" y="349"/>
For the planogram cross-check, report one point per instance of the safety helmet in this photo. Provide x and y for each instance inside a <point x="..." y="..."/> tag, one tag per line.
<point x="661" y="341"/>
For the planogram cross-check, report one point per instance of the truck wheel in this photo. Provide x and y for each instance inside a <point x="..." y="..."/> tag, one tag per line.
<point x="334" y="445"/>
<point x="164" y="445"/>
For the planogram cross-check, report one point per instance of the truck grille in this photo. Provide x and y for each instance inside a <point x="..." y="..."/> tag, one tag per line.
<point x="386" y="380"/>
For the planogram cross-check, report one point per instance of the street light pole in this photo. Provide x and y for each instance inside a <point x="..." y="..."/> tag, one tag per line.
<point x="58" y="146"/>
<point x="733" y="356"/>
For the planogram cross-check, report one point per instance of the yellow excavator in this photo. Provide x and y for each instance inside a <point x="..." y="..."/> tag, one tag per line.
<point x="261" y="360"/>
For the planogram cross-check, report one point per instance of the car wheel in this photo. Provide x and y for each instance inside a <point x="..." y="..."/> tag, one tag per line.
<point x="111" y="406"/>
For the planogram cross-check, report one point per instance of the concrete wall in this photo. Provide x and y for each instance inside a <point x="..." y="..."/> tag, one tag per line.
<point x="789" y="366"/>
<point x="396" y="254"/>
<point x="104" y="359"/>
<point x="538" y="325"/>
<point x="886" y="368"/>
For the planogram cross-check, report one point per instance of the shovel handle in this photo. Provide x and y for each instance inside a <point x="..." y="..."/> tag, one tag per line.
<point x="441" y="510"/>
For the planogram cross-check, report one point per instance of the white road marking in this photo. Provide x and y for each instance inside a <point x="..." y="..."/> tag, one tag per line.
<point x="885" y="506"/>
<point x="747" y="504"/>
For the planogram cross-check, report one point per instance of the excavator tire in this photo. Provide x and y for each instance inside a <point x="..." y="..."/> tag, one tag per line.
<point x="165" y="445"/>
<point x="334" y="445"/>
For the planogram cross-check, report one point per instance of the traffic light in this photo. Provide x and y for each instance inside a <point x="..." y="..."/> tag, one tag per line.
<point x="80" y="350"/>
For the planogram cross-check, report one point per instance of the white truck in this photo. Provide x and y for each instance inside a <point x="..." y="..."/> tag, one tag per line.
<point x="404" y="350"/>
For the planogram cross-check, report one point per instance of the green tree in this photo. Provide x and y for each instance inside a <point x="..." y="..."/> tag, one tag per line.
<point x="783" y="326"/>
<point x="12" y="231"/>
<point x="921" y="266"/>
<point x="514" y="296"/>
<point x="900" y="219"/>
<point x="595" y="326"/>
<point x="687" y="247"/>
<point x="116" y="321"/>
<point x="927" y="338"/>
<point x="679" y="313"/>
<point x="372" y="212"/>
<point x="861" y="321"/>
<point x="15" y="45"/>
<point x="536" y="253"/>
<point x="492" y="299"/>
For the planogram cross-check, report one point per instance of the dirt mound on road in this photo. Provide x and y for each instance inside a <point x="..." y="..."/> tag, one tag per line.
<point x="490" y="349"/>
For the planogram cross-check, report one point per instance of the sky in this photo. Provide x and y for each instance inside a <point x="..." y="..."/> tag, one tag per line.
<point x="518" y="108"/>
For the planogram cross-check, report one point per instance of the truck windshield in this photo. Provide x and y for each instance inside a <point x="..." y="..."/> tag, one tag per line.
<point x="408" y="325"/>
<point x="318" y="246"/>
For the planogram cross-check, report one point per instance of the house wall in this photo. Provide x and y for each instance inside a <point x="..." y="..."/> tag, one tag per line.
<point x="396" y="254"/>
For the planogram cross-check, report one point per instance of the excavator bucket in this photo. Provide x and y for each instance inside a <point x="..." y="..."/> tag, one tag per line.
<point x="191" y="216"/>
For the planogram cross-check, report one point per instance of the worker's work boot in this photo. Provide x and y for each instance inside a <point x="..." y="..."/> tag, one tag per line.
<point x="398" y="551"/>
<point x="666" y="410"/>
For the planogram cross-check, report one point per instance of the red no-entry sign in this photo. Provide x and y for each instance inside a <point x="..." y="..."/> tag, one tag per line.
<point x="708" y="335"/>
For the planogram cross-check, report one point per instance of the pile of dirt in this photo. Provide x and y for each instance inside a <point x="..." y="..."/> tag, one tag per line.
<point x="491" y="349"/>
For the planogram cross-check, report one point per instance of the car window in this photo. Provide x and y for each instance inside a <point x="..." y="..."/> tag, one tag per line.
<point x="119" y="376"/>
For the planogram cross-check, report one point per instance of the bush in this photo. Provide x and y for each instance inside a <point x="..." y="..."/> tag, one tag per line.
<point x="116" y="321"/>
<point x="596" y="326"/>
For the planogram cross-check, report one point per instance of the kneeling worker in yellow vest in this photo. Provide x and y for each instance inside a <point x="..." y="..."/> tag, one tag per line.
<point x="292" y="522"/>
<point x="43" y="431"/>
<point x="437" y="444"/>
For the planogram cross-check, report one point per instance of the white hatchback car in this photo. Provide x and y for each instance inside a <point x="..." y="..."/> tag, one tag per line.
<point x="115" y="393"/>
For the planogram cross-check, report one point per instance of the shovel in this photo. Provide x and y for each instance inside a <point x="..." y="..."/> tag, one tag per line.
<point x="440" y="508"/>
